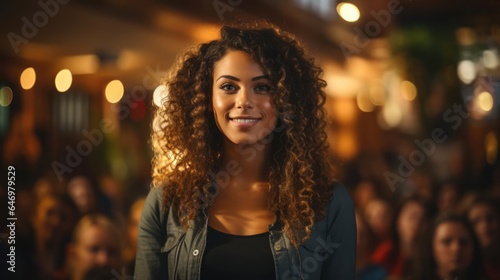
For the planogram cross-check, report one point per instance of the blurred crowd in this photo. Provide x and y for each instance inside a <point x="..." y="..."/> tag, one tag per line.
<point x="446" y="233"/>
<point x="80" y="229"/>
<point x="85" y="229"/>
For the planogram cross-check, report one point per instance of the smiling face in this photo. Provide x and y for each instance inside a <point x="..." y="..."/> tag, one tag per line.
<point x="241" y="99"/>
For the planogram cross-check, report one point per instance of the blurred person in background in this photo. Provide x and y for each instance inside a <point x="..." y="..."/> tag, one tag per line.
<point x="484" y="217"/>
<point x="130" y="250"/>
<point x="48" y="184"/>
<point x="96" y="243"/>
<point x="84" y="194"/>
<point x="43" y="187"/>
<point x="379" y="216"/>
<point x="42" y="256"/>
<point x="447" y="197"/>
<point x="365" y="243"/>
<point x="449" y="250"/>
<point x="466" y="202"/>
<point x="412" y="218"/>
<point x="113" y="199"/>
<point x="364" y="192"/>
<point x="24" y="203"/>
<point x="22" y="149"/>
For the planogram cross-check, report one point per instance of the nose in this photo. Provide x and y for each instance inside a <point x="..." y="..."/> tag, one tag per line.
<point x="103" y="257"/>
<point x="244" y="99"/>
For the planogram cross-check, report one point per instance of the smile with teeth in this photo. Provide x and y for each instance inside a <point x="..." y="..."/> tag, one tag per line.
<point x="244" y="120"/>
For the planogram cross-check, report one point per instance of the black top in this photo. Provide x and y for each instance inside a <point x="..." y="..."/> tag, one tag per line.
<point x="229" y="256"/>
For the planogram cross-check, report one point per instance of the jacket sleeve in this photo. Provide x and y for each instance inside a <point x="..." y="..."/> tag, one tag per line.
<point x="150" y="263"/>
<point x="342" y="235"/>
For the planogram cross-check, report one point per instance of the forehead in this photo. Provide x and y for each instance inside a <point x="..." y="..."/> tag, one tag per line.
<point x="96" y="235"/>
<point x="451" y="229"/>
<point x="481" y="209"/>
<point x="48" y="203"/>
<point x="412" y="206"/>
<point x="238" y="64"/>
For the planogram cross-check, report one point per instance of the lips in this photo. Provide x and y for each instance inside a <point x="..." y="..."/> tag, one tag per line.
<point x="244" y="122"/>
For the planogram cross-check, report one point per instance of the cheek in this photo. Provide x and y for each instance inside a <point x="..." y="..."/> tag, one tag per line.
<point x="268" y="106"/>
<point x="440" y="253"/>
<point x="218" y="105"/>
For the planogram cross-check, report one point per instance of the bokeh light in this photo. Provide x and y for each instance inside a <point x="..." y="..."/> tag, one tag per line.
<point x="377" y="95"/>
<point x="466" y="71"/>
<point x="485" y="101"/>
<point x="490" y="59"/>
<point x="364" y="103"/>
<point x="159" y="95"/>
<point x="347" y="11"/>
<point x="6" y="96"/>
<point x="408" y="90"/>
<point x="114" y="91"/>
<point x="28" y="78"/>
<point x="63" y="80"/>
<point x="392" y="115"/>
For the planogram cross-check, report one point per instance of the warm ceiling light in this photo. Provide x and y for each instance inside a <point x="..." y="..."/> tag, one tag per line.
<point x="349" y="12"/>
<point x="364" y="102"/>
<point x="377" y="95"/>
<point x="490" y="59"/>
<point x="408" y="90"/>
<point x="485" y="101"/>
<point x="466" y="71"/>
<point x="392" y="115"/>
<point x="28" y="78"/>
<point x="114" y="91"/>
<point x="63" y="80"/>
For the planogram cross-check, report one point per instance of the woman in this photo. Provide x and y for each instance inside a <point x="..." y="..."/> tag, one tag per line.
<point x="450" y="251"/>
<point x="411" y="220"/>
<point x="365" y="268"/>
<point x="42" y="255"/>
<point x="484" y="218"/>
<point x="95" y="247"/>
<point x="242" y="188"/>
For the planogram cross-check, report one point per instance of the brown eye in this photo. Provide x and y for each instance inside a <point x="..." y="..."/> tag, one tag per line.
<point x="263" y="88"/>
<point x="228" y="87"/>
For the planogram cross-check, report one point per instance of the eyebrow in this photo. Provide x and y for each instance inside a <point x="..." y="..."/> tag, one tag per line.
<point x="236" y="79"/>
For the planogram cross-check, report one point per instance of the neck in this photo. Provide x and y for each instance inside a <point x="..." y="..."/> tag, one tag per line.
<point x="245" y="163"/>
<point x="447" y="275"/>
<point x="45" y="245"/>
<point x="405" y="248"/>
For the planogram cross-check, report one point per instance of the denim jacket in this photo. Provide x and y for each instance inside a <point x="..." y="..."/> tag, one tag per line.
<point x="166" y="251"/>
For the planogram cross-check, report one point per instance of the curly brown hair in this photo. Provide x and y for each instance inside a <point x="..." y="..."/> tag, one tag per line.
<point x="188" y="145"/>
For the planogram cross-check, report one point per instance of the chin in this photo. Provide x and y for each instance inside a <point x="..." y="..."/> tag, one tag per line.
<point x="243" y="142"/>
